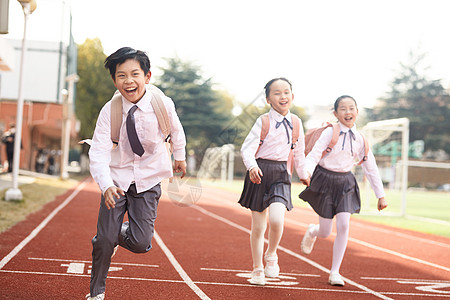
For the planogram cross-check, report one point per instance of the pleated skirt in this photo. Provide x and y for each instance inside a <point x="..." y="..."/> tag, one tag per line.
<point x="275" y="186"/>
<point x="332" y="192"/>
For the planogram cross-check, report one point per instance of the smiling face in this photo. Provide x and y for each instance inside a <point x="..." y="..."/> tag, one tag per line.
<point x="346" y="112"/>
<point x="130" y="80"/>
<point x="280" y="96"/>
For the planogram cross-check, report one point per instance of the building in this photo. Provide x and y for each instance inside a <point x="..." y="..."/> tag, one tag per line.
<point x="47" y="65"/>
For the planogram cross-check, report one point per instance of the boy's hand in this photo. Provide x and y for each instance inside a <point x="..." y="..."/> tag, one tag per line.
<point x="382" y="204"/>
<point x="255" y="175"/>
<point x="110" y="193"/>
<point x="180" y="166"/>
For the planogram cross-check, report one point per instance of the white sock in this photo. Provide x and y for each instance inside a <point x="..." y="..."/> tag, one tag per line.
<point x="340" y="243"/>
<point x="277" y="211"/>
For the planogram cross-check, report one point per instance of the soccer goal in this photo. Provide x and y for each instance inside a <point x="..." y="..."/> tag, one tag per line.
<point x="218" y="162"/>
<point x="389" y="141"/>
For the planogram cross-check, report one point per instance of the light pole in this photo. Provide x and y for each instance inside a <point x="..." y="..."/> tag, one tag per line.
<point x="67" y="123"/>
<point x="14" y="193"/>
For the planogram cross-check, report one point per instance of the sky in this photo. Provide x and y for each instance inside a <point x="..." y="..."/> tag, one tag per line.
<point x="326" y="48"/>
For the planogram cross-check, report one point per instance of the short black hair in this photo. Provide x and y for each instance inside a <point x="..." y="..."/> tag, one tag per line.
<point x="124" y="53"/>
<point x="268" y="84"/>
<point x="339" y="99"/>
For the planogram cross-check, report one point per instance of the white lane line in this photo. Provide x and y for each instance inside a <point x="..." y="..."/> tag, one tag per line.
<point x="179" y="269"/>
<point x="249" y="271"/>
<point x="41" y="226"/>
<point x="403" y="235"/>
<point x="90" y="261"/>
<point x="228" y="284"/>
<point x="405" y="279"/>
<point x="404" y="256"/>
<point x="313" y="263"/>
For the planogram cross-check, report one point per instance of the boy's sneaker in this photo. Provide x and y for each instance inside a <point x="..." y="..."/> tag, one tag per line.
<point x="335" y="279"/>
<point x="98" y="297"/>
<point x="308" y="240"/>
<point x="258" y="277"/>
<point x="272" y="268"/>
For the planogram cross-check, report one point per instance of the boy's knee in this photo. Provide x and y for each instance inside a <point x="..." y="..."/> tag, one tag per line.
<point x="103" y="242"/>
<point x="142" y="247"/>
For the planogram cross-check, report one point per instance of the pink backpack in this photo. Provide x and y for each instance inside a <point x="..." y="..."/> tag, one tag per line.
<point x="312" y="135"/>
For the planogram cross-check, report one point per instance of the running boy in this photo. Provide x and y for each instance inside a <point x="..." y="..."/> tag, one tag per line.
<point x="332" y="189"/>
<point x="267" y="186"/>
<point x="129" y="175"/>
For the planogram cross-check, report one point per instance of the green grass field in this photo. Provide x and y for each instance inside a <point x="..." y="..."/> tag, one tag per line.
<point x="426" y="211"/>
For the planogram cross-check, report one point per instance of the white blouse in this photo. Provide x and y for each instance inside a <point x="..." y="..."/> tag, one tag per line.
<point x="276" y="145"/>
<point x="348" y="151"/>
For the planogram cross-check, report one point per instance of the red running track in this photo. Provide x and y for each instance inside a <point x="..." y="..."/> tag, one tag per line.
<point x="202" y="251"/>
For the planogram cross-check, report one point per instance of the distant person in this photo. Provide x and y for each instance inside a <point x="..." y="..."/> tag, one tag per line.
<point x="332" y="190"/>
<point x="8" y="139"/>
<point x="267" y="185"/>
<point x="51" y="167"/>
<point x="129" y="175"/>
<point x="41" y="159"/>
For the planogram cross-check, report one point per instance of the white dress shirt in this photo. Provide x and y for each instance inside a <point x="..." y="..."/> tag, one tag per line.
<point x="121" y="166"/>
<point x="341" y="159"/>
<point x="276" y="145"/>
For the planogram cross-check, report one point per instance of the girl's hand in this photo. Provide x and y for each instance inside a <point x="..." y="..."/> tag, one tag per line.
<point x="382" y="204"/>
<point x="255" y="175"/>
<point x="110" y="193"/>
<point x="306" y="181"/>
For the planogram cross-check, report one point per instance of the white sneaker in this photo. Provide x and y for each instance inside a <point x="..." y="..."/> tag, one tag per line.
<point x="98" y="297"/>
<point x="308" y="240"/>
<point x="258" y="277"/>
<point x="335" y="279"/>
<point x="272" y="268"/>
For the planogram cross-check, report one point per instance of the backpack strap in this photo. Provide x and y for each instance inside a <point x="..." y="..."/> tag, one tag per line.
<point x="160" y="111"/>
<point x="116" y="117"/>
<point x="264" y="129"/>
<point x="366" y="149"/>
<point x="295" y="130"/>
<point x="295" y="136"/>
<point x="334" y="137"/>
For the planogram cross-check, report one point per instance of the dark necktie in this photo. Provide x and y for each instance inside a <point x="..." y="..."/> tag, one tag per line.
<point x="352" y="137"/>
<point x="132" y="134"/>
<point x="286" y="123"/>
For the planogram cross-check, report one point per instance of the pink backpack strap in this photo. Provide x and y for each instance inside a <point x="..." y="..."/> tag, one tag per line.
<point x="334" y="138"/>
<point x="295" y="136"/>
<point x="366" y="149"/>
<point x="264" y="129"/>
<point x="295" y="130"/>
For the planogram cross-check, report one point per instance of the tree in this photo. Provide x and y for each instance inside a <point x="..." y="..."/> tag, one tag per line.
<point x="95" y="86"/>
<point x="423" y="101"/>
<point x="203" y="111"/>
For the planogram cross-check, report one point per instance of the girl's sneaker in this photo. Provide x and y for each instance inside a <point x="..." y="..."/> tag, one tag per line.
<point x="308" y="240"/>
<point x="335" y="279"/>
<point x="272" y="268"/>
<point x="258" y="277"/>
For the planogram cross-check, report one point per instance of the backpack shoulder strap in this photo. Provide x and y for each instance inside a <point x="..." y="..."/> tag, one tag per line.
<point x="335" y="137"/>
<point x="160" y="111"/>
<point x="116" y="117"/>
<point x="366" y="149"/>
<point x="295" y="130"/>
<point x="264" y="127"/>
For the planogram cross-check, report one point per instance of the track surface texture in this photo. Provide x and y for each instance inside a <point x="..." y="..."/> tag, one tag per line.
<point x="201" y="250"/>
